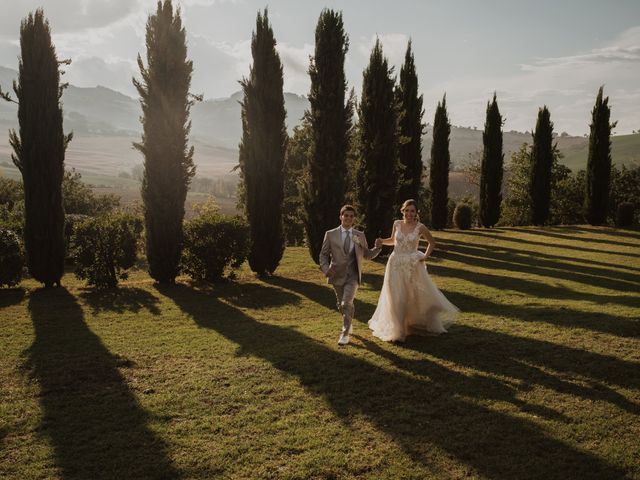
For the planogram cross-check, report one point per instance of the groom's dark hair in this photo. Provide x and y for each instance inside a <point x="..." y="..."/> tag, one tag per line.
<point x="346" y="208"/>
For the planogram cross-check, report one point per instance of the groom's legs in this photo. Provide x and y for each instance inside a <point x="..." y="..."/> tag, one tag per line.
<point x="345" y="295"/>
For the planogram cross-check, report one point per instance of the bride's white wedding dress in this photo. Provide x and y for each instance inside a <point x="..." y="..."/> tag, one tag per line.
<point x="409" y="303"/>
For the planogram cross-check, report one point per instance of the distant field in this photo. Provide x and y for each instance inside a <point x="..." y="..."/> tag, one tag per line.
<point x="625" y="150"/>
<point x="101" y="160"/>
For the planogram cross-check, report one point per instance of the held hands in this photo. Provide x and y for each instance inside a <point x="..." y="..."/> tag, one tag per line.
<point x="378" y="243"/>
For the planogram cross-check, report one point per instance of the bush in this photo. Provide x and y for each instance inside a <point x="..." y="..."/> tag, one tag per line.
<point x="71" y="221"/>
<point x="11" y="258"/>
<point x="12" y="217"/>
<point x="624" y="214"/>
<point x="462" y="216"/>
<point x="104" y="247"/>
<point x="213" y="242"/>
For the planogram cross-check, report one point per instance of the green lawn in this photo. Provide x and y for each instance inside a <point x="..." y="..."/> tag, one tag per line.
<point x="539" y="379"/>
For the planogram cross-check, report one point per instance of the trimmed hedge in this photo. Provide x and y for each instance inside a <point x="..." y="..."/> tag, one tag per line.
<point x="104" y="247"/>
<point x="462" y="216"/>
<point x="212" y="243"/>
<point x="11" y="258"/>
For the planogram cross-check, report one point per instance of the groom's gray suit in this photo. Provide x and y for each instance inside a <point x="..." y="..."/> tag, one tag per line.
<point x="347" y="267"/>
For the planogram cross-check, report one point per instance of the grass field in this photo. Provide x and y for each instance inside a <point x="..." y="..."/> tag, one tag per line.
<point x="539" y="379"/>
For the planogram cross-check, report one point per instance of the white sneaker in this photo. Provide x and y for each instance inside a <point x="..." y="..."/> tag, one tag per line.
<point x="344" y="339"/>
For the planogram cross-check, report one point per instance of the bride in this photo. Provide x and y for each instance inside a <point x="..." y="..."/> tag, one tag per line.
<point x="410" y="303"/>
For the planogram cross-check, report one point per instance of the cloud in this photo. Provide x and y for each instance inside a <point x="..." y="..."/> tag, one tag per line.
<point x="295" y="64"/>
<point x="67" y="15"/>
<point x="394" y="46"/>
<point x="218" y="66"/>
<point x="115" y="73"/>
<point x="567" y="85"/>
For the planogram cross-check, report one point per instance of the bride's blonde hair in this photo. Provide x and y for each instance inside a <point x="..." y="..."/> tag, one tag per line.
<point x="408" y="203"/>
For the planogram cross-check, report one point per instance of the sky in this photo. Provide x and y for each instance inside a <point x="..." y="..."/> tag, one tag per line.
<point x="530" y="52"/>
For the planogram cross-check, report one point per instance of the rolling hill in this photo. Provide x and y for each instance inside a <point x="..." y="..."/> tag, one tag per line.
<point x="106" y="122"/>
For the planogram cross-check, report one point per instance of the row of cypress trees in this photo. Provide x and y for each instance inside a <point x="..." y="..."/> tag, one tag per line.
<point x="387" y="135"/>
<point x="542" y="157"/>
<point x="387" y="141"/>
<point x="39" y="147"/>
<point x="382" y="152"/>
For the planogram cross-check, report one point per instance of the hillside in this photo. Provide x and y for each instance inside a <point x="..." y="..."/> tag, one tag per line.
<point x="106" y="122"/>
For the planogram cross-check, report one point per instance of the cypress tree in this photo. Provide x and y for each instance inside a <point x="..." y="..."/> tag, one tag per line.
<point x="330" y="119"/>
<point x="168" y="160"/>
<point x="377" y="176"/>
<point x="491" y="168"/>
<point x="599" y="162"/>
<point x="439" y="166"/>
<point x="541" y="165"/>
<point x="262" y="149"/>
<point x="39" y="149"/>
<point x="411" y="129"/>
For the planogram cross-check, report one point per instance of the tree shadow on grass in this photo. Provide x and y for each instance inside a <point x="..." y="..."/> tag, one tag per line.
<point x="532" y="288"/>
<point x="574" y="371"/>
<point x="579" y="362"/>
<point x="417" y="413"/>
<point x="325" y="296"/>
<point x="11" y="296"/>
<point x="547" y="244"/>
<point x="558" y="316"/>
<point x="121" y="300"/>
<point x="506" y="259"/>
<point x="628" y="232"/>
<point x="96" y="426"/>
<point x="536" y="255"/>
<point x="255" y="296"/>
<point x="545" y="232"/>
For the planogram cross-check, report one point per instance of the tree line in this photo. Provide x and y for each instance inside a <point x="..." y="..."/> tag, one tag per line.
<point x="366" y="151"/>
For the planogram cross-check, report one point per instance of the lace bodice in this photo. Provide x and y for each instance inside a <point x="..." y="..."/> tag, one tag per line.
<point x="406" y="244"/>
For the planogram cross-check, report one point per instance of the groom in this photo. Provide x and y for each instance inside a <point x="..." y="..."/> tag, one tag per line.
<point x="341" y="257"/>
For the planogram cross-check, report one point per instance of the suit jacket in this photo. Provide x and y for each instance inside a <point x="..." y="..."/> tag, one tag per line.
<point x="332" y="254"/>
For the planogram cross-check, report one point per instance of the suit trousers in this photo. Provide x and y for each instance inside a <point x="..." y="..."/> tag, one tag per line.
<point x="345" y="294"/>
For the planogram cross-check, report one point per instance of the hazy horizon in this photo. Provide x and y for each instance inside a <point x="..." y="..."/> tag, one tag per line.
<point x="530" y="53"/>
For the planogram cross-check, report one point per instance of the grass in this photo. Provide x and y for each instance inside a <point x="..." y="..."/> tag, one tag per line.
<point x="539" y="379"/>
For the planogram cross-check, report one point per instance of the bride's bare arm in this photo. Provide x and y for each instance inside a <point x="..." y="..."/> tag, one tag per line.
<point x="390" y="241"/>
<point x="426" y="234"/>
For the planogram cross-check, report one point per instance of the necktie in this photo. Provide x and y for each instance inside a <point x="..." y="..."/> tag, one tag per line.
<point x="347" y="243"/>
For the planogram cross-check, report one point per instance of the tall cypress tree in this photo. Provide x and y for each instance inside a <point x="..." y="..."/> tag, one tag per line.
<point x="39" y="149"/>
<point x="168" y="160"/>
<point x="377" y="176"/>
<point x="330" y="118"/>
<point x="262" y="149"/>
<point x="439" y="166"/>
<point x="541" y="165"/>
<point x="491" y="168"/>
<point x="411" y="129"/>
<point x="599" y="162"/>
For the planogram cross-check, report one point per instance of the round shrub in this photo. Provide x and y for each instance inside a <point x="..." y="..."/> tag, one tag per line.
<point x="624" y="214"/>
<point x="213" y="242"/>
<point x="11" y="258"/>
<point x="462" y="216"/>
<point x="70" y="222"/>
<point x="104" y="247"/>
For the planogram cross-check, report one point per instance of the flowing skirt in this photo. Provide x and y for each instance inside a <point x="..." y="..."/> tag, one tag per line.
<point x="410" y="303"/>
